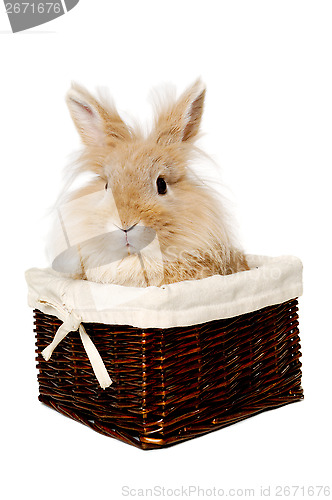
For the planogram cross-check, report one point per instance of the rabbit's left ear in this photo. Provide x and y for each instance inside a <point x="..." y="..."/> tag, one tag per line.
<point x="97" y="122"/>
<point x="180" y="122"/>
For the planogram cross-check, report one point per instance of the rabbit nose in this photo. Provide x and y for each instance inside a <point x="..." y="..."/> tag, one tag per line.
<point x="127" y="229"/>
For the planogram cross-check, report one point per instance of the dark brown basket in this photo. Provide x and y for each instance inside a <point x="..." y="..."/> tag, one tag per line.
<point x="174" y="384"/>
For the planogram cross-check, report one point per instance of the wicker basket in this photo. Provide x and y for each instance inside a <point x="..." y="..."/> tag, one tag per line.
<point x="173" y="384"/>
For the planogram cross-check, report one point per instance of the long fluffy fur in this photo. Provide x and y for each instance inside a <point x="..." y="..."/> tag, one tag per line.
<point x="192" y="238"/>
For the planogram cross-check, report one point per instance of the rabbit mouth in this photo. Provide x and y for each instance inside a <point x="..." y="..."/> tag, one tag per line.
<point x="116" y="245"/>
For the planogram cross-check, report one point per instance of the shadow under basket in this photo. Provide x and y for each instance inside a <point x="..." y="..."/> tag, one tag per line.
<point x="173" y="384"/>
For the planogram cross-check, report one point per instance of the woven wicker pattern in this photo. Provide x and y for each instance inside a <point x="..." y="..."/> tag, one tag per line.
<point x="174" y="384"/>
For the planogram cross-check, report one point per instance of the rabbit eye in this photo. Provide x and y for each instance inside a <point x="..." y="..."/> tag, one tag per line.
<point x="106" y="185"/>
<point x="161" y="185"/>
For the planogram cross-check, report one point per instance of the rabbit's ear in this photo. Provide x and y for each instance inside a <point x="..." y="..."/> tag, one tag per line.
<point x="180" y="121"/>
<point x="97" y="123"/>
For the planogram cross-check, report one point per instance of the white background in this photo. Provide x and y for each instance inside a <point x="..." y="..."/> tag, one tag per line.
<point x="268" y="124"/>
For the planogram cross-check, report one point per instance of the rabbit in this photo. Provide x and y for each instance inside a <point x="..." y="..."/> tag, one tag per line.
<point x="145" y="219"/>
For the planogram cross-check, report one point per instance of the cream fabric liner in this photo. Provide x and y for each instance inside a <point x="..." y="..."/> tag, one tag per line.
<point x="270" y="280"/>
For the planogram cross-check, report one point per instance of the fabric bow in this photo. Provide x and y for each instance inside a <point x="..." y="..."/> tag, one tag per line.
<point x="73" y="323"/>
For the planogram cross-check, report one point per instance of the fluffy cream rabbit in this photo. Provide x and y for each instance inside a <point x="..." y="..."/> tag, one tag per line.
<point x="146" y="218"/>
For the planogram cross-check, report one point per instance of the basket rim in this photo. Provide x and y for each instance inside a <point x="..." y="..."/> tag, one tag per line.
<point x="270" y="281"/>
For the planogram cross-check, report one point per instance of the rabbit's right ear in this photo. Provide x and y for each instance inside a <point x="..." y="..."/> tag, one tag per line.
<point x="180" y="121"/>
<point x="98" y="123"/>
